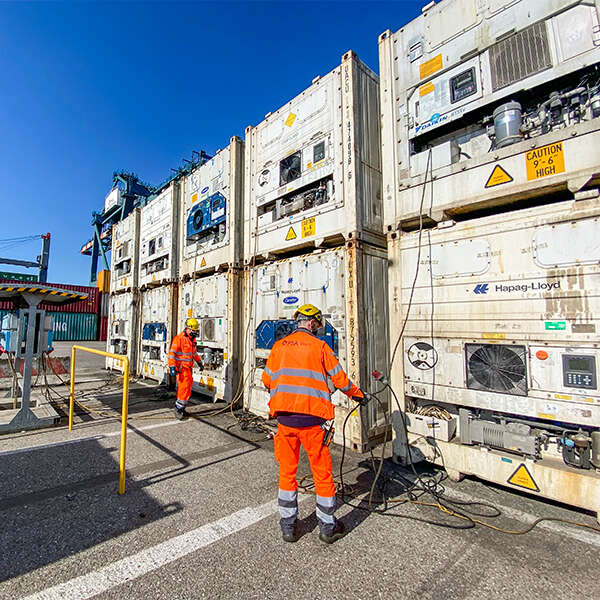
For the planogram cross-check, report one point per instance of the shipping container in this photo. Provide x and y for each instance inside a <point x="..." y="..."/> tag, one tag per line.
<point x="489" y="103"/>
<point x="125" y="253"/>
<point x="216" y="302"/>
<point x="499" y="318"/>
<point x="212" y="214"/>
<point x="159" y="252"/>
<point x="103" y="335"/>
<point x="313" y="167"/>
<point x="158" y="315"/>
<point x="74" y="327"/>
<point x="123" y="332"/>
<point x="89" y="306"/>
<point x="349" y="284"/>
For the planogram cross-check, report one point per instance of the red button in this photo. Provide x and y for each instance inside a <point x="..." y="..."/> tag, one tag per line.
<point x="542" y="354"/>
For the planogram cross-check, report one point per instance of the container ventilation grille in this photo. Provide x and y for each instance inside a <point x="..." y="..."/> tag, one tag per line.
<point x="208" y="330"/>
<point x="494" y="368"/>
<point x="519" y="56"/>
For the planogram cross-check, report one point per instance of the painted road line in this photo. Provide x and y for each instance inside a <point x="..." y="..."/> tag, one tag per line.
<point x="579" y="534"/>
<point x="91" y="438"/>
<point x="155" y="557"/>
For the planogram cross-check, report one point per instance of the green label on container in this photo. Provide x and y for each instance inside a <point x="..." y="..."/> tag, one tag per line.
<point x="556" y="325"/>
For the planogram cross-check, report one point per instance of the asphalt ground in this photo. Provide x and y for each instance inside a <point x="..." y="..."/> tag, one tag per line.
<point x="199" y="520"/>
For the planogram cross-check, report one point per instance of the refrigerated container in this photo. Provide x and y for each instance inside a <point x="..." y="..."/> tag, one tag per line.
<point x="349" y="285"/>
<point x="495" y="320"/>
<point x="212" y="213"/>
<point x="158" y="315"/>
<point x="489" y="103"/>
<point x="159" y="252"/>
<point x="313" y="167"/>
<point x="125" y="253"/>
<point x="123" y="331"/>
<point x="216" y="302"/>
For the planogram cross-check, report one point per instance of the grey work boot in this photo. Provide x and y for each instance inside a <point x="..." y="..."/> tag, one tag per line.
<point x="290" y="534"/>
<point x="337" y="533"/>
<point x="180" y="414"/>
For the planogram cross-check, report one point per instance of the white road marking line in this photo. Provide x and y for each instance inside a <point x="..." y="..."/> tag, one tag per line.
<point x="155" y="557"/>
<point x="90" y="438"/>
<point x="581" y="535"/>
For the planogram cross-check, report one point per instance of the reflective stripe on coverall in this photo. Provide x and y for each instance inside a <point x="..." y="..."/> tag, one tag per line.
<point x="182" y="355"/>
<point x="296" y="376"/>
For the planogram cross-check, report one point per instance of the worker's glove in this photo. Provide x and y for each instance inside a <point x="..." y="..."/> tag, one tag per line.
<point x="363" y="401"/>
<point x="173" y="371"/>
<point x="200" y="365"/>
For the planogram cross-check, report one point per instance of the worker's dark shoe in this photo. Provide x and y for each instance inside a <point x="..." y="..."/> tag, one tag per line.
<point x="179" y="414"/>
<point x="290" y="534"/>
<point x="339" y="531"/>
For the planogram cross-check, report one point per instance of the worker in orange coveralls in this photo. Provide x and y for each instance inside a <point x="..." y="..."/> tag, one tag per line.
<point x="181" y="356"/>
<point x="296" y="375"/>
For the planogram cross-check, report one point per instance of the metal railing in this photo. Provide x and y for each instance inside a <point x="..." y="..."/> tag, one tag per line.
<point x="124" y="410"/>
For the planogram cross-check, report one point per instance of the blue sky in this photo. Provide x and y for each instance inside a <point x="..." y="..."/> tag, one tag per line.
<point x="92" y="87"/>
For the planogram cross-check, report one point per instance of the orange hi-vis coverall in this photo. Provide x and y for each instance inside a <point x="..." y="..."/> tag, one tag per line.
<point x="182" y="355"/>
<point x="296" y="375"/>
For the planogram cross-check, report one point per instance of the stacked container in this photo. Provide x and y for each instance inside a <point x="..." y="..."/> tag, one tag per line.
<point x="313" y="181"/>
<point x="491" y="158"/>
<point x="210" y="258"/>
<point x="122" y="328"/>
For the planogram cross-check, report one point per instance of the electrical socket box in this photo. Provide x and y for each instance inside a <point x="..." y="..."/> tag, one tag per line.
<point x="430" y="426"/>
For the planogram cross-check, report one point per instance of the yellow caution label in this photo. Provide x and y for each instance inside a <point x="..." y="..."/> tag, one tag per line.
<point x="291" y="235"/>
<point x="308" y="227"/>
<point x="498" y="177"/>
<point x="308" y="165"/>
<point x="194" y="198"/>
<point x="522" y="478"/>
<point x="202" y="381"/>
<point x="203" y="262"/>
<point x="224" y="355"/>
<point x="145" y="367"/>
<point x="545" y="161"/>
<point x="562" y="396"/>
<point x="210" y="383"/>
<point x="125" y="281"/>
<point x="547" y="416"/>
<point x="290" y="119"/>
<point x="431" y="66"/>
<point x="426" y="89"/>
<point x="189" y="312"/>
<point x="493" y="336"/>
<point x="152" y="371"/>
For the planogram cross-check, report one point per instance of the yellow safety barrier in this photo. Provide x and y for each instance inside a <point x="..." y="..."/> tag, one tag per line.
<point x="124" y="408"/>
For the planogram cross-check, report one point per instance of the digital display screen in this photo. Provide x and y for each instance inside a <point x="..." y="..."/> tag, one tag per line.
<point x="580" y="363"/>
<point x="463" y="85"/>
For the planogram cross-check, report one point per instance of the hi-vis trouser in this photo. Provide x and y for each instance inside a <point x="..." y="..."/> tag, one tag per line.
<point x="184" y="384"/>
<point x="287" y="452"/>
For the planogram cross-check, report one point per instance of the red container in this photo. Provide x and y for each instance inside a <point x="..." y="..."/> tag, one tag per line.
<point x="91" y="305"/>
<point x="103" y="328"/>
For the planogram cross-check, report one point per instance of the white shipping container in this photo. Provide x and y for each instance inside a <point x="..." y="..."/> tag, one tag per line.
<point x="158" y="314"/>
<point x="125" y="253"/>
<point x="349" y="285"/>
<point x="211" y="231"/>
<point x="159" y="252"/>
<point x="313" y="174"/>
<point x="216" y="302"/>
<point x="466" y="103"/>
<point x="123" y="333"/>
<point x="502" y="288"/>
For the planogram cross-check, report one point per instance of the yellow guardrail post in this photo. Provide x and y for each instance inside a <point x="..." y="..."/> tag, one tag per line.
<point x="124" y="408"/>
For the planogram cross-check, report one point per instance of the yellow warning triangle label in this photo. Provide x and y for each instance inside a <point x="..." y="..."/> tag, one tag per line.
<point x="201" y="381"/>
<point x="498" y="177"/>
<point x="203" y="262"/>
<point x="290" y="119"/>
<point x="522" y="478"/>
<point x="291" y="235"/>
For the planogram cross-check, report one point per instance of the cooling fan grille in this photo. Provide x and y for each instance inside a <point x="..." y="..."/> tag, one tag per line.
<point x="496" y="368"/>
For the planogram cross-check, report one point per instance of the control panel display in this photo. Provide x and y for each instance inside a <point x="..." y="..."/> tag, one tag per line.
<point x="579" y="371"/>
<point x="463" y="85"/>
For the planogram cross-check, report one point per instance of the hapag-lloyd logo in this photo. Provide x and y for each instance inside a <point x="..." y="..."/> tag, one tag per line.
<point x="540" y="286"/>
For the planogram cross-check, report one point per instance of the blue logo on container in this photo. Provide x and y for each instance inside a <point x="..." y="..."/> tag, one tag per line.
<point x="290" y="300"/>
<point x="204" y="190"/>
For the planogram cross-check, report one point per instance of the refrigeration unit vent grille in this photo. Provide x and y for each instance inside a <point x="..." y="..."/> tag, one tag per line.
<point x="519" y="56"/>
<point x="496" y="368"/>
<point x="208" y="330"/>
